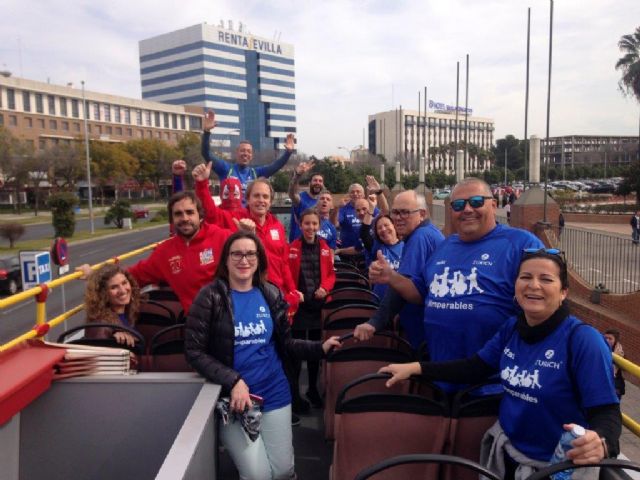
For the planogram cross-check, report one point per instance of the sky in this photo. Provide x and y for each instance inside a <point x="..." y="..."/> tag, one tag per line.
<point x="357" y="57"/>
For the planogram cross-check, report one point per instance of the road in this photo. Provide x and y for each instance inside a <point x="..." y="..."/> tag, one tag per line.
<point x="18" y="319"/>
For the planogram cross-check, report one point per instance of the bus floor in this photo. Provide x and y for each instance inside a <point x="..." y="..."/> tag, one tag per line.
<point x="312" y="452"/>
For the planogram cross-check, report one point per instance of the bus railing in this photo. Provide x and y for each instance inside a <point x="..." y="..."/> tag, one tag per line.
<point x="634" y="370"/>
<point x="41" y="293"/>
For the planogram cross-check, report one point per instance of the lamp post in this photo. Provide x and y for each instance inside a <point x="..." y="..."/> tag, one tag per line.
<point x="86" y="145"/>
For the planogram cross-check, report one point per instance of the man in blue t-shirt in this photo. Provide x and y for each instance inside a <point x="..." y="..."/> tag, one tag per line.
<point x="467" y="285"/>
<point x="241" y="169"/>
<point x="300" y="201"/>
<point x="410" y="217"/>
<point x="349" y="224"/>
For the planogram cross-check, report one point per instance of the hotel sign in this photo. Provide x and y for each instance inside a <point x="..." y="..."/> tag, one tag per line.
<point x="448" y="108"/>
<point x="250" y="43"/>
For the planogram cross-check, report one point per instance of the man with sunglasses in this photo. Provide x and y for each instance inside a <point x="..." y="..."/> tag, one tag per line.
<point x="410" y="217"/>
<point x="467" y="284"/>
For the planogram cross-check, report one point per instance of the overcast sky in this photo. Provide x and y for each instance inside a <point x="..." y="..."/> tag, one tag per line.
<point x="354" y="58"/>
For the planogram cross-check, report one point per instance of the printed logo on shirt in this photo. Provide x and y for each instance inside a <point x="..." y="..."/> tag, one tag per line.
<point x="521" y="379"/>
<point x="508" y="353"/>
<point x="549" y="354"/>
<point x="275" y="234"/>
<point x="175" y="264"/>
<point x="459" y="284"/>
<point x="325" y="253"/>
<point x="206" y="256"/>
<point x="484" y="260"/>
<point x="246" y="332"/>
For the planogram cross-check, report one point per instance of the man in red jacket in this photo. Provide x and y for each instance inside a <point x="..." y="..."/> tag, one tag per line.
<point x="188" y="260"/>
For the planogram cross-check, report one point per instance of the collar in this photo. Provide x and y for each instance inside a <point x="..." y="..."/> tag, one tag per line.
<point x="424" y="223"/>
<point x="539" y="332"/>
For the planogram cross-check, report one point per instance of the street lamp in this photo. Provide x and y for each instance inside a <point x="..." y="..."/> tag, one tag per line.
<point x="86" y="145"/>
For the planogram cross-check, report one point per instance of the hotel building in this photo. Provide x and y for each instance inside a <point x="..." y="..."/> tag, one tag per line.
<point x="400" y="135"/>
<point x="249" y="81"/>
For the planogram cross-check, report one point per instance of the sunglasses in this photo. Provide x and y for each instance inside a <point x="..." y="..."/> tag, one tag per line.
<point x="550" y="251"/>
<point x="476" y="201"/>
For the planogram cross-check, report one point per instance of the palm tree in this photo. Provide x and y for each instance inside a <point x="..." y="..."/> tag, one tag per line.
<point x="629" y="63"/>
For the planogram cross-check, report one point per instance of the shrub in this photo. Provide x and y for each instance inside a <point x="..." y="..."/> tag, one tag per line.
<point x="160" y="216"/>
<point x="63" y="217"/>
<point x="120" y="210"/>
<point x="12" y="232"/>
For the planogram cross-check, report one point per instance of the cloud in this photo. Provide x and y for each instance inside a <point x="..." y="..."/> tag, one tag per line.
<point x="354" y="58"/>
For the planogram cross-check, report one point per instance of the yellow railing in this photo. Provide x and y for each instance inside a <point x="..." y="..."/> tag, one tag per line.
<point x="41" y="292"/>
<point x="634" y="370"/>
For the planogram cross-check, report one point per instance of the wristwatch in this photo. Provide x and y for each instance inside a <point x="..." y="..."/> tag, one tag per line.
<point x="378" y="192"/>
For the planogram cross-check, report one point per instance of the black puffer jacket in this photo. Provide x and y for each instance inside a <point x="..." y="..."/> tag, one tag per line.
<point x="210" y="335"/>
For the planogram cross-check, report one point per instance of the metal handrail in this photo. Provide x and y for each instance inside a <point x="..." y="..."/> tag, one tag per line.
<point x="634" y="370"/>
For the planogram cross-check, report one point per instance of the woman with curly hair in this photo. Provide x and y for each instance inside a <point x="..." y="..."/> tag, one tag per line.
<point x="112" y="296"/>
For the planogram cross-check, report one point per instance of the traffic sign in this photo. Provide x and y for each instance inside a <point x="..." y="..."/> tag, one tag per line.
<point x="35" y="267"/>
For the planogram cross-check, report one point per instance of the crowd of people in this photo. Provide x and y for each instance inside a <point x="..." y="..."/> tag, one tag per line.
<point x="486" y="302"/>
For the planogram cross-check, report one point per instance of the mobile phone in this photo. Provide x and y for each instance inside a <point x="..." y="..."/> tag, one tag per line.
<point x="256" y="399"/>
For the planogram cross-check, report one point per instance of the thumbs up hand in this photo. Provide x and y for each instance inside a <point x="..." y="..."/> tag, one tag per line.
<point x="380" y="270"/>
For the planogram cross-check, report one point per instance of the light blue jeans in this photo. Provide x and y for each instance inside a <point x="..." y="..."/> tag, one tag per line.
<point x="270" y="457"/>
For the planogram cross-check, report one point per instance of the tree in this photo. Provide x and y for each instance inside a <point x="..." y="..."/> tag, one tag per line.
<point x="12" y="161"/>
<point x="629" y="63"/>
<point x="68" y="161"/>
<point x="118" y="212"/>
<point x="189" y="149"/>
<point x="11" y="232"/>
<point x="154" y="157"/>
<point x="110" y="164"/>
<point x="280" y="181"/>
<point x="38" y="167"/>
<point x="62" y="215"/>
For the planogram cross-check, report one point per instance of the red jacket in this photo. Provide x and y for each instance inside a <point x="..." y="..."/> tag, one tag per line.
<point x="186" y="266"/>
<point x="327" y="272"/>
<point x="271" y="233"/>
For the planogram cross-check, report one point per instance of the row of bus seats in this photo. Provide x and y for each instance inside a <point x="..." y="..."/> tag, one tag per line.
<point x="159" y="333"/>
<point x="369" y="422"/>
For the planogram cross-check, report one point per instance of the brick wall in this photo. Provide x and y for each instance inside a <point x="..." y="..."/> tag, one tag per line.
<point x="596" y="218"/>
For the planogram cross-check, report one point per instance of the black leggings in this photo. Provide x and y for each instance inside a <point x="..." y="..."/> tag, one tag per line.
<point x="313" y="366"/>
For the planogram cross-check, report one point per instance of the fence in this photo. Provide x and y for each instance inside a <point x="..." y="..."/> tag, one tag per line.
<point x="601" y="258"/>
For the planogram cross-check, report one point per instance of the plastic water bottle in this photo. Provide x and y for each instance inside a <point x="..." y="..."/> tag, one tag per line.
<point x="560" y="453"/>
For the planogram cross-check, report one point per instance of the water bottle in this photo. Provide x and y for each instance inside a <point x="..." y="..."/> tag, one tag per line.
<point x="560" y="452"/>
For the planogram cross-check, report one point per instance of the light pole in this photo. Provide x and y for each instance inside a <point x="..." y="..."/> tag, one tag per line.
<point x="86" y="145"/>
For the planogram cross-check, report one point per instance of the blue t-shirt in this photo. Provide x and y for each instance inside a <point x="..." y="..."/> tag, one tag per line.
<point x="468" y="290"/>
<point x="539" y="393"/>
<point x="328" y="232"/>
<point x="418" y="247"/>
<point x="254" y="354"/>
<point x="392" y="253"/>
<point x="350" y="226"/>
<point x="306" y="201"/>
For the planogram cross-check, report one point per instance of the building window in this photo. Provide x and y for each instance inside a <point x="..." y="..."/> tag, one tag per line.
<point x="96" y="111"/>
<point x="76" y="126"/>
<point x="107" y="113"/>
<point x="52" y="104"/>
<point x="116" y="113"/>
<point x="75" y="112"/>
<point x="63" y="106"/>
<point x="147" y="118"/>
<point x="149" y="134"/>
<point x="13" y="121"/>
<point x="159" y="135"/>
<point x="39" y="104"/>
<point x="65" y="126"/>
<point x="195" y="123"/>
<point x="129" y="132"/>
<point x="99" y="129"/>
<point x="40" y="123"/>
<point x="28" y="122"/>
<point x="53" y="125"/>
<point x="26" y="101"/>
<point x="1" y="119"/>
<point x="182" y="123"/>
<point x="127" y="116"/>
<point x="174" y="121"/>
<point x="29" y="144"/>
<point x="108" y="130"/>
<point x="119" y="131"/>
<point x="166" y="135"/>
<point x="88" y="128"/>
<point x="11" y="99"/>
<point x="166" y="120"/>
<point x="42" y="143"/>
<point x="139" y="133"/>
<point x="156" y="116"/>
<point x="138" y="117"/>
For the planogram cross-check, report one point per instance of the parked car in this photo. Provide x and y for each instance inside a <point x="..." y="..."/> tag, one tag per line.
<point x="442" y="194"/>
<point x="140" y="211"/>
<point x="10" y="275"/>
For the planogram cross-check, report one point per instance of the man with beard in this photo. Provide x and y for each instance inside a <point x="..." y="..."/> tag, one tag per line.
<point x="188" y="260"/>
<point x="241" y="168"/>
<point x="301" y="201"/>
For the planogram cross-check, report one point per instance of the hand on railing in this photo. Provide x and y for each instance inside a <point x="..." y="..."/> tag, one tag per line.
<point x="85" y="269"/>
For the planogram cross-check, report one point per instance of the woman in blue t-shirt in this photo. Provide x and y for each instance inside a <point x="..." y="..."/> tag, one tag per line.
<point x="238" y="335"/>
<point x="556" y="372"/>
<point x="112" y="296"/>
<point x="380" y="235"/>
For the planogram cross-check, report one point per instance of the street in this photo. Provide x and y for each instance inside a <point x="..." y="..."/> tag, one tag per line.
<point x="18" y="319"/>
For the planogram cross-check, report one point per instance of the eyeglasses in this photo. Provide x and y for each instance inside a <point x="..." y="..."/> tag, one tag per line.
<point x="476" y="201"/>
<point x="237" y="256"/>
<point x="403" y="213"/>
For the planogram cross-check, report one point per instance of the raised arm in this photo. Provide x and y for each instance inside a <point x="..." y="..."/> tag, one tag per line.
<point x="220" y="166"/>
<point x="373" y="187"/>
<point x="298" y="172"/>
<point x="268" y="170"/>
<point x="212" y="214"/>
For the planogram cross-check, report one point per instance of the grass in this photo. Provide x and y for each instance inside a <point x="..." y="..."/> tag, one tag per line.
<point x="45" y="243"/>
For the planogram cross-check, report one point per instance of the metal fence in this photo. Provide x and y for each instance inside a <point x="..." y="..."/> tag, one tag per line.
<point x="601" y="258"/>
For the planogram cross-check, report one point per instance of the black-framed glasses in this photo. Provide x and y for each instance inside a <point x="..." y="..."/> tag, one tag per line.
<point x="237" y="256"/>
<point x="476" y="201"/>
<point x="403" y="213"/>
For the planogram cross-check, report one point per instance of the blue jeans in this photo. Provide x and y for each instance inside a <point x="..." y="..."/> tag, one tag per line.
<point x="270" y="457"/>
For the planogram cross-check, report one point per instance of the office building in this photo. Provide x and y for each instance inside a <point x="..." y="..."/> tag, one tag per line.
<point x="400" y="135"/>
<point x="249" y="81"/>
<point x="44" y="114"/>
<point x="570" y="151"/>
